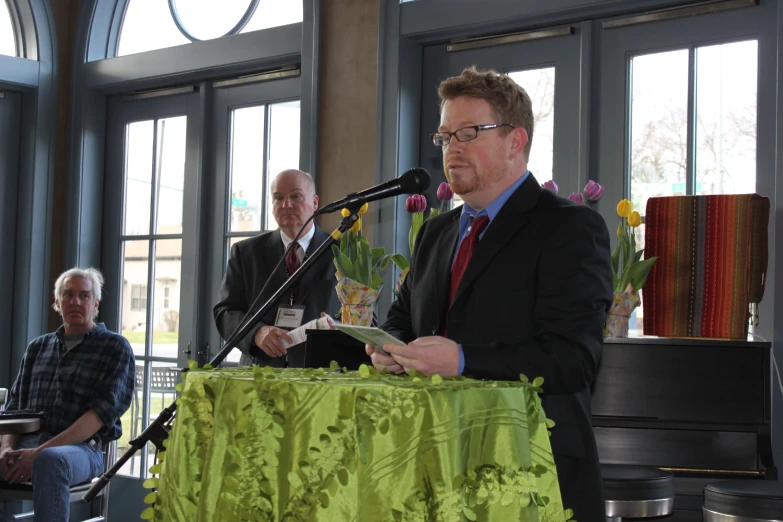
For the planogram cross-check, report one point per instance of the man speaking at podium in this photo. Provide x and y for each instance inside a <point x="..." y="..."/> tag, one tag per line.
<point x="517" y="281"/>
<point x="250" y="265"/>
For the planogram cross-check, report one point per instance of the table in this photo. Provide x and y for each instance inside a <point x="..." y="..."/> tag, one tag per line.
<point x="317" y="445"/>
<point x="20" y="426"/>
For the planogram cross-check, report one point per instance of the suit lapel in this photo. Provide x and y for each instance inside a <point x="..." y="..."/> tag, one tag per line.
<point x="447" y="244"/>
<point x="307" y="283"/>
<point x="511" y="219"/>
<point x="271" y="253"/>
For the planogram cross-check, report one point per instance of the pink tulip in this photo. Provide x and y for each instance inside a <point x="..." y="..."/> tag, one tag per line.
<point x="593" y="190"/>
<point x="444" y="192"/>
<point x="577" y="198"/>
<point x="550" y="185"/>
<point x="415" y="203"/>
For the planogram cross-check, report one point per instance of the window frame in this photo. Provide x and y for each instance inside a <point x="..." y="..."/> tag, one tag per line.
<point x="619" y="45"/>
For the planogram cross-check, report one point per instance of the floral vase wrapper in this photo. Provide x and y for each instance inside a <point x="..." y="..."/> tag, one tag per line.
<point x="622" y="307"/>
<point x="401" y="279"/>
<point x="357" y="301"/>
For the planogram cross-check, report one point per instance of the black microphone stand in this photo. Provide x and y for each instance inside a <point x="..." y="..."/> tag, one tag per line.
<point x="158" y="430"/>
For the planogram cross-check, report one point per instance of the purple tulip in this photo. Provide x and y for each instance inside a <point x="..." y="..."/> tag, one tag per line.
<point x="415" y="203"/>
<point x="577" y="198"/>
<point x="444" y="192"/>
<point x="593" y="190"/>
<point x="551" y="185"/>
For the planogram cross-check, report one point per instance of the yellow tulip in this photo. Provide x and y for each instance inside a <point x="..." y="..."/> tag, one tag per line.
<point x="634" y="219"/>
<point x="624" y="208"/>
<point x="357" y="226"/>
<point x="345" y="212"/>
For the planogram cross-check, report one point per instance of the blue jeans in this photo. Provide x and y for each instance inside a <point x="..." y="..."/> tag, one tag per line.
<point x="55" y="470"/>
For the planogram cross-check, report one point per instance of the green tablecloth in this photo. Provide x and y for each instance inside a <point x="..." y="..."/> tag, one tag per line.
<point x="316" y="445"/>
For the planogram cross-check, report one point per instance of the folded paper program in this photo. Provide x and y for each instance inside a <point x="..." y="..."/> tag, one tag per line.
<point x="299" y="335"/>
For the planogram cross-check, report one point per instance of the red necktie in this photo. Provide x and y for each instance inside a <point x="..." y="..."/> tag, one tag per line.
<point x="292" y="262"/>
<point x="465" y="252"/>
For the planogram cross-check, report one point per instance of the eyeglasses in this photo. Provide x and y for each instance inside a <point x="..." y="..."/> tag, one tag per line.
<point x="441" y="139"/>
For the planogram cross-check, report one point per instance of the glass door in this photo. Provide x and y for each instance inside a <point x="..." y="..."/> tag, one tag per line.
<point x="149" y="216"/>
<point x="256" y="131"/>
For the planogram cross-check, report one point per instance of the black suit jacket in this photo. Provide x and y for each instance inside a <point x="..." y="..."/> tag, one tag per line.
<point x="533" y="301"/>
<point x="249" y="266"/>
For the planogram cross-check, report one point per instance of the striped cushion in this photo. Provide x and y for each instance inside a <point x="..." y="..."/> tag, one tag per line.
<point x="712" y="263"/>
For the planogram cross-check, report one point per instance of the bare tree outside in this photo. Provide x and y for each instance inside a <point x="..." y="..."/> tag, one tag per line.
<point x="540" y="86"/>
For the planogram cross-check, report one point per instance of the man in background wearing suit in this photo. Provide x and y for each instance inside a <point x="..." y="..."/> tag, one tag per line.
<point x="517" y="281"/>
<point x="250" y="265"/>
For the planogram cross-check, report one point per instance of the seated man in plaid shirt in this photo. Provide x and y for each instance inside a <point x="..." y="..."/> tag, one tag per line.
<point x="82" y="377"/>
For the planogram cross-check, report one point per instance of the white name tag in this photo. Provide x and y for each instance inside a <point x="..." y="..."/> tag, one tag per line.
<point x="289" y="316"/>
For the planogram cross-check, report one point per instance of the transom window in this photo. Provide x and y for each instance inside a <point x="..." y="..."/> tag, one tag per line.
<point x="156" y="24"/>
<point x="7" y="35"/>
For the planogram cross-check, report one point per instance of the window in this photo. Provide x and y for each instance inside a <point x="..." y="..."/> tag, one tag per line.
<point x="7" y="34"/>
<point x="156" y="24"/>
<point x="540" y="86"/>
<point x="147" y="151"/>
<point x="722" y="121"/>
<point x="138" y="298"/>
<point x="256" y="156"/>
<point x="154" y="179"/>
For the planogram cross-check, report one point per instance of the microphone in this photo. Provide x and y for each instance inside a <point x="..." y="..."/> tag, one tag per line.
<point x="413" y="181"/>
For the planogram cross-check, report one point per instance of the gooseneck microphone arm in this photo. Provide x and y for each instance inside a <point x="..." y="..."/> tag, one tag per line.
<point x="158" y="430"/>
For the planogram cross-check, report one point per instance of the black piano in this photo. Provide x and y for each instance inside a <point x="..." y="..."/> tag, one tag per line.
<point x="699" y="408"/>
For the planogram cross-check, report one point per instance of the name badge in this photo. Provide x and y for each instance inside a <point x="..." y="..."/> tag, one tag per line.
<point x="289" y="316"/>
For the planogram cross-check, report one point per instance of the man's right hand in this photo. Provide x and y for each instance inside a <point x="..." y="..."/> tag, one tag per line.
<point x="5" y="466"/>
<point x="270" y="340"/>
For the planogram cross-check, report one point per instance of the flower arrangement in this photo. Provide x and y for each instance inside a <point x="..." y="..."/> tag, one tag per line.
<point x="592" y="192"/>
<point x="629" y="271"/>
<point x="359" y="268"/>
<point x="627" y="264"/>
<point x="416" y="205"/>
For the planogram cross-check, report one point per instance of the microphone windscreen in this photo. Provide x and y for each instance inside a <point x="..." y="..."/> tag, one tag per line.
<point x="415" y="180"/>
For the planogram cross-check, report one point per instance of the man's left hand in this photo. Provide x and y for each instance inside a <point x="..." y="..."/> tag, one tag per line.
<point x="22" y="468"/>
<point x="428" y="355"/>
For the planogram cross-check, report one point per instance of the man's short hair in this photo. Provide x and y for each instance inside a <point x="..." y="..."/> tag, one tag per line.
<point x="93" y="275"/>
<point x="509" y="101"/>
